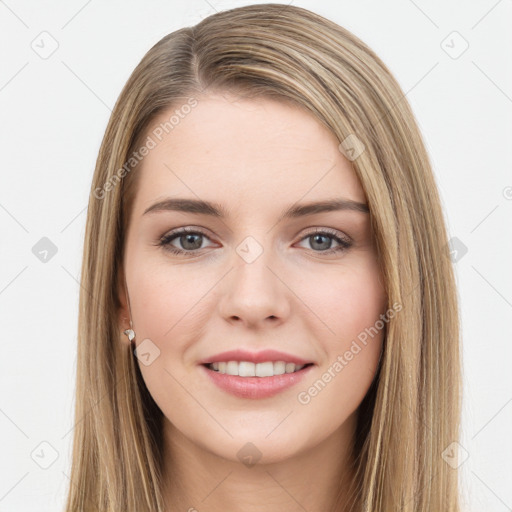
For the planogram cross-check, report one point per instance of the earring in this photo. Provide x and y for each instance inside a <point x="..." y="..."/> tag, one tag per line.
<point x="131" y="334"/>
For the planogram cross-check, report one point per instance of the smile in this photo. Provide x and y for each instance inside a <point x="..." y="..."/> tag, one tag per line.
<point x="255" y="381"/>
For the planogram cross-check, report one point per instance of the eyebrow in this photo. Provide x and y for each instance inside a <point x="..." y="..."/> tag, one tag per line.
<point x="201" y="207"/>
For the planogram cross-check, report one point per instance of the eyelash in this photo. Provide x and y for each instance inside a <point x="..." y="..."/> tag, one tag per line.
<point x="164" y="242"/>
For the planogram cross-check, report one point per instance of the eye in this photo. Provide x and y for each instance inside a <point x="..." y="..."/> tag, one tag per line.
<point x="190" y="239"/>
<point x="321" y="241"/>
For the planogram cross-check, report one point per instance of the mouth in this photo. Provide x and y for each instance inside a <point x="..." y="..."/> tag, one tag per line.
<point x="244" y="379"/>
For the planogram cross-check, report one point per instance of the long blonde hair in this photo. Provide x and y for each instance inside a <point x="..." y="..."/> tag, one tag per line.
<point x="411" y="413"/>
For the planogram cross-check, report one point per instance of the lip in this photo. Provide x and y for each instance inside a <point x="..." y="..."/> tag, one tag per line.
<point x="255" y="387"/>
<point x="255" y="357"/>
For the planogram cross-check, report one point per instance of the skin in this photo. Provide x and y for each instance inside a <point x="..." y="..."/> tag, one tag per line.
<point x="256" y="158"/>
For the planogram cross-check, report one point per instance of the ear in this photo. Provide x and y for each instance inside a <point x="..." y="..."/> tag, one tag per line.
<point x="123" y="312"/>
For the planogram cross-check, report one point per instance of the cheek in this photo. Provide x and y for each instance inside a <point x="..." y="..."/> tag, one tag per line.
<point x="169" y="301"/>
<point x="352" y="309"/>
<point x="173" y="308"/>
<point x="349" y="302"/>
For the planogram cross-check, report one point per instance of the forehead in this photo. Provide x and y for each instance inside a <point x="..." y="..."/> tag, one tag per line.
<point x="245" y="151"/>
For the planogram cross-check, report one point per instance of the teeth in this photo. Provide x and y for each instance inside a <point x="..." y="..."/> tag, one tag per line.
<point x="289" y="368"/>
<point x="248" y="369"/>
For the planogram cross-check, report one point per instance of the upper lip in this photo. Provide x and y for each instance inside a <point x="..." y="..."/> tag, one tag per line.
<point x="255" y="357"/>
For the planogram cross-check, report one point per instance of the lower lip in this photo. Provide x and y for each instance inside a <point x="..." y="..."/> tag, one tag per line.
<point x="256" y="387"/>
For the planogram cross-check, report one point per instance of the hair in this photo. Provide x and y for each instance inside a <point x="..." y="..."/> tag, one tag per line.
<point x="410" y="414"/>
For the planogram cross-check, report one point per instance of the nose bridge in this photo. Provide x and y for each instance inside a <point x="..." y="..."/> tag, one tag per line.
<point x="251" y="275"/>
<point x="253" y="292"/>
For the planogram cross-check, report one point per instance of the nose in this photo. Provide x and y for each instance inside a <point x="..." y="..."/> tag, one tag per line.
<point x="254" y="294"/>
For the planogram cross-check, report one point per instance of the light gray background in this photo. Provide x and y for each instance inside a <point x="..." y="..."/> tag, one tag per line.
<point x="53" y="114"/>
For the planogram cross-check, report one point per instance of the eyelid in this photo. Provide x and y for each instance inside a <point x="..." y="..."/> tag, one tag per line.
<point x="176" y="233"/>
<point x="329" y="231"/>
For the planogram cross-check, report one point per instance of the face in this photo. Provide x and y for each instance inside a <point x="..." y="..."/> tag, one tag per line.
<point x="251" y="278"/>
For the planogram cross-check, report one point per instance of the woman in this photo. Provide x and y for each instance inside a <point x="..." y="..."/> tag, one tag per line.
<point x="268" y="312"/>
